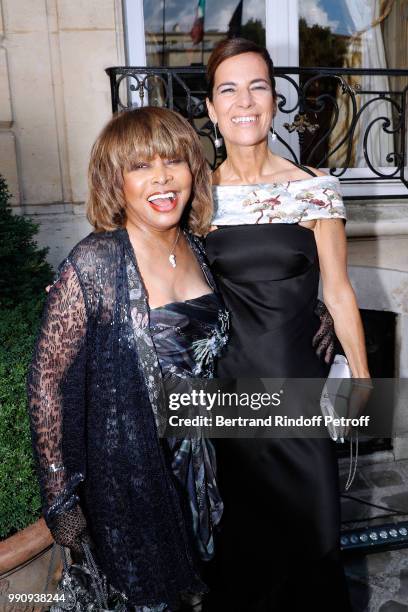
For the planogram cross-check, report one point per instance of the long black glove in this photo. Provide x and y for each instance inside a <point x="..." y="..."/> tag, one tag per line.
<point x="324" y="339"/>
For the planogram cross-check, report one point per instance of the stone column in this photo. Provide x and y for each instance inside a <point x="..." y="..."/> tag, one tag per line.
<point x="8" y="158"/>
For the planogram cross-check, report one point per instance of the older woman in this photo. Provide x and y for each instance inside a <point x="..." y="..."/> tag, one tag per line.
<point x="130" y="301"/>
<point x="275" y="225"/>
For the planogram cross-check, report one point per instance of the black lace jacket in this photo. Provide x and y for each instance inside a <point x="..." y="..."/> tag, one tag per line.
<point x="96" y="402"/>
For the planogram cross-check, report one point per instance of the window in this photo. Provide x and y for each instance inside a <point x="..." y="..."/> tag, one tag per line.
<point x="179" y="33"/>
<point x="355" y="121"/>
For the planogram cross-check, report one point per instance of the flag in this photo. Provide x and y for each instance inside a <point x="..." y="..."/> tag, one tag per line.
<point x="234" y="26"/>
<point x="197" y="31"/>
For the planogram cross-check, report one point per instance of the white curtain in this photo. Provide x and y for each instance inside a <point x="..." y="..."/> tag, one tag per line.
<point x="365" y="14"/>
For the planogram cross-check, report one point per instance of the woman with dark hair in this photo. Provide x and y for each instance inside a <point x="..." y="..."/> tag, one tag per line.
<point x="131" y="303"/>
<point x="276" y="224"/>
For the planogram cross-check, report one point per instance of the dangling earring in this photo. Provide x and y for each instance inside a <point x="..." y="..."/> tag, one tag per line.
<point x="217" y="140"/>
<point x="273" y="135"/>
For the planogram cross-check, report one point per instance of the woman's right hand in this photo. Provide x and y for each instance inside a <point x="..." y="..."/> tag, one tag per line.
<point x="69" y="529"/>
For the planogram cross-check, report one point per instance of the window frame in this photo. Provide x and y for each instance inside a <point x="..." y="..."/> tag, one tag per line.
<point x="282" y="42"/>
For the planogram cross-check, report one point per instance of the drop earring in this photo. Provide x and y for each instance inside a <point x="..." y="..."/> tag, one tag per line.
<point x="217" y="139"/>
<point x="273" y="134"/>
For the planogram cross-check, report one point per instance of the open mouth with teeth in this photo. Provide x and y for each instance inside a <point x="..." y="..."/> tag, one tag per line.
<point x="163" y="202"/>
<point x="245" y="120"/>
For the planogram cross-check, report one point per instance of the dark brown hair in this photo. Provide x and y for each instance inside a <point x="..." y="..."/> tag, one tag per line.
<point x="138" y="135"/>
<point x="231" y="47"/>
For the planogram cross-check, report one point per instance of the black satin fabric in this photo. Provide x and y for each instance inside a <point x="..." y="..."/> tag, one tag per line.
<point x="278" y="546"/>
<point x="268" y="276"/>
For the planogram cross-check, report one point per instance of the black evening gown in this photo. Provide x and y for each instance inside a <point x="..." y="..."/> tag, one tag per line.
<point x="278" y="546"/>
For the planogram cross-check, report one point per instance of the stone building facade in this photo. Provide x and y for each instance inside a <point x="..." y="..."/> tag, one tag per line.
<point x="54" y="96"/>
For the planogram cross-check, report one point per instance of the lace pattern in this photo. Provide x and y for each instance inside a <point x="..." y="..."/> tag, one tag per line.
<point x="62" y="337"/>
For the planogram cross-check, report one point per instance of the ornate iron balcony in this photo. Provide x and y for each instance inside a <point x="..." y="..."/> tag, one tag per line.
<point x="340" y="122"/>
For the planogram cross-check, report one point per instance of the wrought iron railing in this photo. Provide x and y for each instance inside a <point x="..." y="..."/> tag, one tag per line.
<point x="332" y="111"/>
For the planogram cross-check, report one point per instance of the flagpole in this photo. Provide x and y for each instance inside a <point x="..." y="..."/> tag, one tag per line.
<point x="197" y="31"/>
<point x="163" y="31"/>
<point x="202" y="51"/>
<point x="202" y="40"/>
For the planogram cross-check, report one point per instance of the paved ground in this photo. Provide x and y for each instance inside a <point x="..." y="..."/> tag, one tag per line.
<point x="378" y="582"/>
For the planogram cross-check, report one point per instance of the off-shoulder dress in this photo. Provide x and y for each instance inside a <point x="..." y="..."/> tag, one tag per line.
<point x="278" y="547"/>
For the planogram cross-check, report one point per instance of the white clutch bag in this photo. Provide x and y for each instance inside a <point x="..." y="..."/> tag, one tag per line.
<point x="334" y="403"/>
<point x="335" y="394"/>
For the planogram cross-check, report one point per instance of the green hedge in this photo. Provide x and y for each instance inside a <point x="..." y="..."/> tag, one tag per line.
<point x="24" y="273"/>
<point x="19" y="493"/>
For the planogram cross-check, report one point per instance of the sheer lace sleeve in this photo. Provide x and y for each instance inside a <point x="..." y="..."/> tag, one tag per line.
<point x="59" y="351"/>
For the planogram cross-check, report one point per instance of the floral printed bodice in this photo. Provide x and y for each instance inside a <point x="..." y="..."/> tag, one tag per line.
<point x="317" y="197"/>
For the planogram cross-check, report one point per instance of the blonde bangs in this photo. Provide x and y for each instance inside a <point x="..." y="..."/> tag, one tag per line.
<point x="135" y="136"/>
<point x="146" y="139"/>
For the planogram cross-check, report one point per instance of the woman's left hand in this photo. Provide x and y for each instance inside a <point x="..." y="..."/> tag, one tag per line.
<point x="361" y="390"/>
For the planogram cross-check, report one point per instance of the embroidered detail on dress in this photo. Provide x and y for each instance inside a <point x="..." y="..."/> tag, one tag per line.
<point x="290" y="202"/>
<point x="207" y="349"/>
